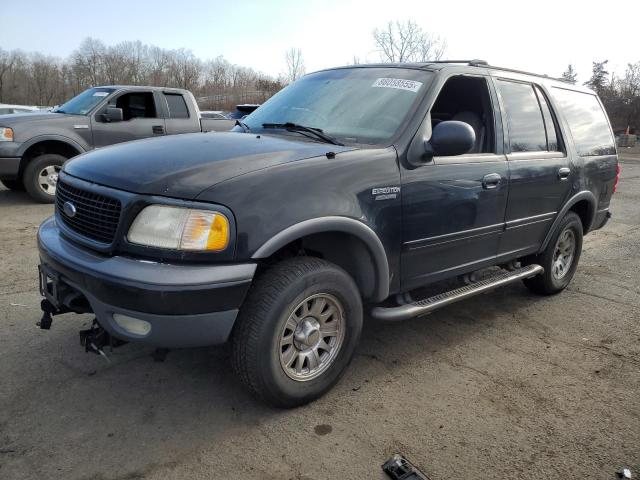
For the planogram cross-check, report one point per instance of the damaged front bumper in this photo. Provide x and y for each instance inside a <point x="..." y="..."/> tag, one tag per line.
<point x="160" y="304"/>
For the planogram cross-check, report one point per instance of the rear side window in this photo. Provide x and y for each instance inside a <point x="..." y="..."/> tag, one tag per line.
<point x="524" y="117"/>
<point x="177" y="105"/>
<point x="587" y="121"/>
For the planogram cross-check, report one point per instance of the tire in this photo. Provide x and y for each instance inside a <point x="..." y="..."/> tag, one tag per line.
<point x="15" y="185"/>
<point x="262" y="338"/>
<point x="557" y="273"/>
<point x="39" y="176"/>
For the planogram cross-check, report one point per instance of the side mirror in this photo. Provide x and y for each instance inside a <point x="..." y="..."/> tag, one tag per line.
<point x="451" y="138"/>
<point x="112" y="114"/>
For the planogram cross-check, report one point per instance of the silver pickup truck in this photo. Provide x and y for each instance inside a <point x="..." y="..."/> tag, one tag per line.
<point x="34" y="146"/>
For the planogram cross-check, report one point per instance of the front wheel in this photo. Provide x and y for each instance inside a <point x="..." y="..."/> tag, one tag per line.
<point x="559" y="259"/>
<point x="297" y="331"/>
<point x="41" y="176"/>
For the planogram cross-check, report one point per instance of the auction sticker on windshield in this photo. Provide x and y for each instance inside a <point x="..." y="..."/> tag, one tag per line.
<point x="100" y="94"/>
<point x="399" y="83"/>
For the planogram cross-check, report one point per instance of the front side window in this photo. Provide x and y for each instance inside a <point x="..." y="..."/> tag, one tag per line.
<point x="524" y="117"/>
<point x="177" y="105"/>
<point x="354" y="105"/>
<point x="85" y="102"/>
<point x="587" y="121"/>
<point x="137" y="105"/>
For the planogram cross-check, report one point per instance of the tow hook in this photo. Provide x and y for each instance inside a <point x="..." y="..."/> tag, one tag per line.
<point x="96" y="338"/>
<point x="48" y="310"/>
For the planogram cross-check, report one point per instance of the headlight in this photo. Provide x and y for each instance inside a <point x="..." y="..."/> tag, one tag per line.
<point x="6" y="134"/>
<point x="179" y="228"/>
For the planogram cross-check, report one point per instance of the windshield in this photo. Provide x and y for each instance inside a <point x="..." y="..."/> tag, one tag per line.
<point x="84" y="103"/>
<point x="353" y="105"/>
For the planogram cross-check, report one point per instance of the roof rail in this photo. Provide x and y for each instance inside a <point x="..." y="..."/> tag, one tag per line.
<point x="484" y="63"/>
<point x="474" y="63"/>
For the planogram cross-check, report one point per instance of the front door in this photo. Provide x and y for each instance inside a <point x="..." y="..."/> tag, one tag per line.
<point x="141" y="119"/>
<point x="454" y="207"/>
<point x="540" y="171"/>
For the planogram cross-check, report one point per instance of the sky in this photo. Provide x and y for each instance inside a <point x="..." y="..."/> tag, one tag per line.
<point x="541" y="36"/>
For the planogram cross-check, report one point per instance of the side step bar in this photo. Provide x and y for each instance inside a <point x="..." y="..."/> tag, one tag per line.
<point x="422" y="307"/>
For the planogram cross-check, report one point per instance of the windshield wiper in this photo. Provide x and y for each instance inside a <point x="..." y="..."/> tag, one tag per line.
<point x="243" y="125"/>
<point x="294" y="127"/>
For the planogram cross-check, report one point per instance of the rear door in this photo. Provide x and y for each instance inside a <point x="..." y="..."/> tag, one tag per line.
<point x="540" y="173"/>
<point x="179" y="116"/>
<point x="141" y="119"/>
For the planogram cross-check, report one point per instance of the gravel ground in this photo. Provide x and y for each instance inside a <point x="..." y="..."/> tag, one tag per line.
<point x="505" y="385"/>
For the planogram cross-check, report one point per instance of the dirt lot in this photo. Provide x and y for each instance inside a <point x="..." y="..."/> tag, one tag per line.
<point x="507" y="385"/>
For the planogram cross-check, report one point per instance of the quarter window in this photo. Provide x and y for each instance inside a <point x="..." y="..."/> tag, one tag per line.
<point x="587" y="121"/>
<point x="526" y="125"/>
<point x="549" y="122"/>
<point x="177" y="106"/>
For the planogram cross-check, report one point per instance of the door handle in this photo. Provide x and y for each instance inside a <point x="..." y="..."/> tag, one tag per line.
<point x="157" y="130"/>
<point x="563" y="173"/>
<point x="491" y="181"/>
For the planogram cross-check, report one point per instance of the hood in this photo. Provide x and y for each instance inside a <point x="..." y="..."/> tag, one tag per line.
<point x="182" y="166"/>
<point x="12" y="119"/>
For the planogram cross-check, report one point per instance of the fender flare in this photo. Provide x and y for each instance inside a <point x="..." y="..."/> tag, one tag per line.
<point x="44" y="138"/>
<point x="336" y="224"/>
<point x="583" y="195"/>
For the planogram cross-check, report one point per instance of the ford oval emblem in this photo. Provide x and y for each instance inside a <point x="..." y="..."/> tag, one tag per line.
<point x="69" y="209"/>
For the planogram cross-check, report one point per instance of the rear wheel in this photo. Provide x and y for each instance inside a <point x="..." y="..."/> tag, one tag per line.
<point x="559" y="259"/>
<point x="15" y="185"/>
<point x="41" y="176"/>
<point x="297" y="331"/>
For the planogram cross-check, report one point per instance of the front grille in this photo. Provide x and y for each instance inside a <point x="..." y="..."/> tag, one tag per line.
<point x="96" y="216"/>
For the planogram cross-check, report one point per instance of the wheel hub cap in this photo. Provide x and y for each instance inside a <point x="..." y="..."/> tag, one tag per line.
<point x="312" y="336"/>
<point x="48" y="179"/>
<point x="307" y="333"/>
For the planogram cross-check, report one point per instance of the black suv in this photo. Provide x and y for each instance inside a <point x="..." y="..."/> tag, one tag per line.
<point x="341" y="195"/>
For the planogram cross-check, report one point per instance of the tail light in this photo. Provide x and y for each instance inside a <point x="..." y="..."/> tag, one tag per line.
<point x="615" y="185"/>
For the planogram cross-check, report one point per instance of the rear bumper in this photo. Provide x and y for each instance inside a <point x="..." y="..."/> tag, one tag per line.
<point x="9" y="168"/>
<point x="602" y="217"/>
<point x="185" y="305"/>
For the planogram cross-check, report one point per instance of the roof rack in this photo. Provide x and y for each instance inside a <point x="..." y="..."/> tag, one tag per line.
<point x="484" y="63"/>
<point x="474" y="63"/>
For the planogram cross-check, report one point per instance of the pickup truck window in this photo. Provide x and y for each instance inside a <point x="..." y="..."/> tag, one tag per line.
<point x="137" y="105"/>
<point x="524" y="117"/>
<point x="177" y="106"/>
<point x="354" y="105"/>
<point x="587" y="122"/>
<point x="85" y="102"/>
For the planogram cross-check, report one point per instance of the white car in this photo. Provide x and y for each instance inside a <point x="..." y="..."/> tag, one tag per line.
<point x="8" y="109"/>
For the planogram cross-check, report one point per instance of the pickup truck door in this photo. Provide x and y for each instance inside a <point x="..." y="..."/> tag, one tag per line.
<point x="539" y="168"/>
<point x="453" y="207"/>
<point x="181" y="114"/>
<point x="142" y="119"/>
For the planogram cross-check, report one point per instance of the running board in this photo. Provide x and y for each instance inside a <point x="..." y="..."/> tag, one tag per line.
<point x="422" y="307"/>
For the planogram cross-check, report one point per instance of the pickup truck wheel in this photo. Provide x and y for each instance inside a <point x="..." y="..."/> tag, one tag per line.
<point x="559" y="259"/>
<point x="297" y="331"/>
<point x="14" y="185"/>
<point x="41" y="176"/>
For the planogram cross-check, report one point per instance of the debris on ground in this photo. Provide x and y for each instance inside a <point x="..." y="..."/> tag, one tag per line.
<point x="399" y="468"/>
<point x="624" y="473"/>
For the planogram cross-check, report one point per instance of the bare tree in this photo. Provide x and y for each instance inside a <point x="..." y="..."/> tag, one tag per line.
<point x="407" y="42"/>
<point x="295" y="64"/>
